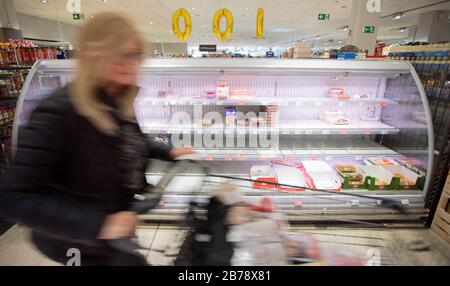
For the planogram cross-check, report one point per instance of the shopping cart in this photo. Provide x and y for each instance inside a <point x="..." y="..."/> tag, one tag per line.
<point x="193" y="251"/>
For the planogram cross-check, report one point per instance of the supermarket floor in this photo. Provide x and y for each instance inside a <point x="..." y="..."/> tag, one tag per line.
<point x="396" y="246"/>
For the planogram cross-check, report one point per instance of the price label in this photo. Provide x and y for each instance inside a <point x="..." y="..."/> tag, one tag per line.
<point x="265" y="103"/>
<point x="219" y="102"/>
<point x="328" y="158"/>
<point x="205" y="103"/>
<point x="326" y="132"/>
<point x="384" y="132"/>
<point x="173" y="102"/>
<point x="355" y="203"/>
<point x="299" y="103"/>
<point x="358" y="158"/>
<point x="308" y="132"/>
<point x="340" y="104"/>
<point x="298" y="132"/>
<point x="405" y="202"/>
<point x="318" y="103"/>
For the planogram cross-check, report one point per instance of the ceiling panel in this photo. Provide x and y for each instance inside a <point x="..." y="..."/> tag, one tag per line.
<point x="297" y="17"/>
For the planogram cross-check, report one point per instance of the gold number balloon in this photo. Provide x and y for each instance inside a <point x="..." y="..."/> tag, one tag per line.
<point x="182" y="13"/>
<point x="260" y="23"/>
<point x="216" y="24"/>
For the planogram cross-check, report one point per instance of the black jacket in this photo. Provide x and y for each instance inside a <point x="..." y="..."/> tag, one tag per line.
<point x="65" y="177"/>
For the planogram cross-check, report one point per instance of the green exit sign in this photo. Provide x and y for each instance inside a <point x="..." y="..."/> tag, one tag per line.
<point x="78" y="16"/>
<point x="323" y="17"/>
<point x="369" y="29"/>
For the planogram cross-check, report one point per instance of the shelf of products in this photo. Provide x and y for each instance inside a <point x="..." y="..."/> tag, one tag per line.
<point x="16" y="60"/>
<point x="342" y="126"/>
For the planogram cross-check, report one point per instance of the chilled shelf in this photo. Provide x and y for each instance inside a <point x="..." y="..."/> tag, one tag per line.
<point x="307" y="127"/>
<point x="280" y="101"/>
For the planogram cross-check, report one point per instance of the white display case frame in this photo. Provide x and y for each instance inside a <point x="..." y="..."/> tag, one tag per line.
<point x="220" y="67"/>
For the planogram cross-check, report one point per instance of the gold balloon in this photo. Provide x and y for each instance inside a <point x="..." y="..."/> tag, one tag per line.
<point x="216" y="24"/>
<point x="260" y="23"/>
<point x="182" y="13"/>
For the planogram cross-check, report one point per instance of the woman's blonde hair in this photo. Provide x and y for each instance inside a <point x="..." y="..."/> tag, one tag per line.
<point x="99" y="40"/>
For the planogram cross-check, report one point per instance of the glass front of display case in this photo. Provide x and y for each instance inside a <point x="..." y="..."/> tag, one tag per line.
<point x="316" y="129"/>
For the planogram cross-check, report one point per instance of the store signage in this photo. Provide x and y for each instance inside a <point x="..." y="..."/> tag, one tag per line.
<point x="369" y="29"/>
<point x="78" y="16"/>
<point x="323" y="17"/>
<point x="208" y="48"/>
<point x="270" y="54"/>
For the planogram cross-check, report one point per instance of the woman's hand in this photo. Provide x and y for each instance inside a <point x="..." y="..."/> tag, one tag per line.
<point x="119" y="225"/>
<point x="177" y="152"/>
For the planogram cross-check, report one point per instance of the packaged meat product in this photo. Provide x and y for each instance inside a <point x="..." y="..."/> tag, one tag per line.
<point x="319" y="175"/>
<point x="289" y="176"/>
<point x="338" y="93"/>
<point x="334" y="118"/>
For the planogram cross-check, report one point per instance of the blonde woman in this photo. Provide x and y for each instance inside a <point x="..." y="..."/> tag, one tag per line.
<point x="82" y="155"/>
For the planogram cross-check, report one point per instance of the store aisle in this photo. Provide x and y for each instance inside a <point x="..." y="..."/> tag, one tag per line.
<point x="396" y="246"/>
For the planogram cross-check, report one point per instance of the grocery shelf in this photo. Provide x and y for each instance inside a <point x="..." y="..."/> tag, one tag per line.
<point x="253" y="101"/>
<point x="307" y="126"/>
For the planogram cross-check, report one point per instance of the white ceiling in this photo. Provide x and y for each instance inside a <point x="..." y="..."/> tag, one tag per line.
<point x="300" y="16"/>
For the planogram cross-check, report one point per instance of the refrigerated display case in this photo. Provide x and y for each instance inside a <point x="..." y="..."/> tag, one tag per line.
<point x="322" y="131"/>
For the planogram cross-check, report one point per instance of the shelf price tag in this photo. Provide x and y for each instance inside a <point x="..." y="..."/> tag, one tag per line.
<point x="358" y="158"/>
<point x="209" y="158"/>
<point x="341" y="104"/>
<point x="405" y="202"/>
<point x="219" y="102"/>
<point x="298" y="203"/>
<point x="228" y="158"/>
<point x="343" y="131"/>
<point x="241" y="158"/>
<point x="318" y="103"/>
<point x="298" y="132"/>
<point x="326" y="132"/>
<point x="328" y="158"/>
<point x="172" y="102"/>
<point x="308" y="132"/>
<point x="384" y="132"/>
<point x="299" y="103"/>
<point x="366" y="131"/>
<point x="355" y="202"/>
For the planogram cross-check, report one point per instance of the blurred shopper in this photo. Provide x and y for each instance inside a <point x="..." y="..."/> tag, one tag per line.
<point x="82" y="156"/>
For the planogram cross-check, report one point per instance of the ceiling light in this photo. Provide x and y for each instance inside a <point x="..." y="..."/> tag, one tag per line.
<point x="193" y="8"/>
<point x="151" y="23"/>
<point x="44" y="1"/>
<point x="105" y="1"/>
<point x="398" y="16"/>
<point x="317" y="37"/>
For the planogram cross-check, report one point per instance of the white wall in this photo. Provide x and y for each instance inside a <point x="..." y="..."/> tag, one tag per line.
<point x="38" y="28"/>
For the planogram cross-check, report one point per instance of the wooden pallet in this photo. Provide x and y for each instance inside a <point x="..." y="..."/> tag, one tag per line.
<point x="441" y="221"/>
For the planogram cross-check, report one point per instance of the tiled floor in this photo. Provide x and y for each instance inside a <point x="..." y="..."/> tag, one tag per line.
<point x="395" y="245"/>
